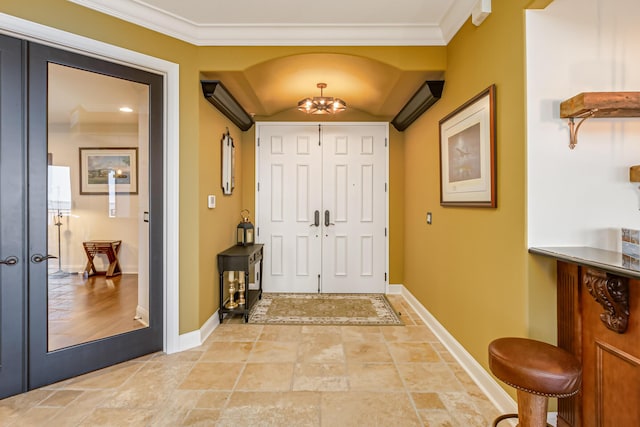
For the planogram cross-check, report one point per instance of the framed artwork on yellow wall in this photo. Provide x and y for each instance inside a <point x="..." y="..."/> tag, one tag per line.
<point x="468" y="153"/>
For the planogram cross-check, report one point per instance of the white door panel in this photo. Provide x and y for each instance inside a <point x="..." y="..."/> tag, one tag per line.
<point x="289" y="177"/>
<point x="338" y="170"/>
<point x="354" y="173"/>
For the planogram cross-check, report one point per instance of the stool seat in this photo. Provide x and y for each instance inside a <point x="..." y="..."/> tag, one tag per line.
<point x="535" y="367"/>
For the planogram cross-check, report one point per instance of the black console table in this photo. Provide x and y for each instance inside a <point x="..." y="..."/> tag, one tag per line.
<point x="240" y="258"/>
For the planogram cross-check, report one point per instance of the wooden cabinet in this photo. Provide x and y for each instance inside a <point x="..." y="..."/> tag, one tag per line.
<point x="241" y="259"/>
<point x="599" y="322"/>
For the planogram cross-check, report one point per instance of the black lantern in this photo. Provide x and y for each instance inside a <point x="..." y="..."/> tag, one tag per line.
<point x="245" y="230"/>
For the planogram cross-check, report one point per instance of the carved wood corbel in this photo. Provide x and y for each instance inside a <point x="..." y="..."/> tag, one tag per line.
<point x="612" y="293"/>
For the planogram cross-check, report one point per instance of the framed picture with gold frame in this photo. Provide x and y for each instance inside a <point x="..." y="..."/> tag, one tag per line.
<point x="468" y="153"/>
<point x="109" y="170"/>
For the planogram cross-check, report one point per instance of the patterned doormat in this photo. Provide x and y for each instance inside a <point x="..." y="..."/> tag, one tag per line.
<point x="324" y="309"/>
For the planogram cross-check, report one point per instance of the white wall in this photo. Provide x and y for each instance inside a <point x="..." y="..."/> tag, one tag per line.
<point x="582" y="196"/>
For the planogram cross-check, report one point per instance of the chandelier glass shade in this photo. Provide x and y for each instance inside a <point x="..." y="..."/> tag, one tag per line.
<point x="322" y="104"/>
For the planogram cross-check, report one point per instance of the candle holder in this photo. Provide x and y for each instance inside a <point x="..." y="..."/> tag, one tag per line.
<point x="241" y="289"/>
<point x="232" y="291"/>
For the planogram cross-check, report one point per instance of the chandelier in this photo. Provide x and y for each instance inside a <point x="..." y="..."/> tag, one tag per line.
<point x="322" y="104"/>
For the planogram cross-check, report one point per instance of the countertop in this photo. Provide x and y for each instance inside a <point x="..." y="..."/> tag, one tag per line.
<point x="609" y="261"/>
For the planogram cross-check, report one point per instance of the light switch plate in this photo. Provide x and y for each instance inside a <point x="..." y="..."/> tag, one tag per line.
<point x="211" y="201"/>
<point x="429" y="218"/>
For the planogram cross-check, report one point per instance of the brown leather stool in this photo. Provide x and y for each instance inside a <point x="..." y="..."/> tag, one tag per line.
<point x="538" y="371"/>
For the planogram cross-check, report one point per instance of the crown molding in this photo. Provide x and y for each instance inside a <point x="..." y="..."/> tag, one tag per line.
<point x="285" y="34"/>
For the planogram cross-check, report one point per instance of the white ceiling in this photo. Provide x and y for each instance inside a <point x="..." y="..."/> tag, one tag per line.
<point x="296" y="22"/>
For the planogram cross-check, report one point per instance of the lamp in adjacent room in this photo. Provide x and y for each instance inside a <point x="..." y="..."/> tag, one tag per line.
<point x="322" y="104"/>
<point x="59" y="203"/>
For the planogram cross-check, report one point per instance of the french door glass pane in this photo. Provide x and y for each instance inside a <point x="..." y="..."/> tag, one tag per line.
<point x="98" y="193"/>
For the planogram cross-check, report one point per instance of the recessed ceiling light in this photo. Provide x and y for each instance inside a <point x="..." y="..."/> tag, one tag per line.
<point x="126" y="109"/>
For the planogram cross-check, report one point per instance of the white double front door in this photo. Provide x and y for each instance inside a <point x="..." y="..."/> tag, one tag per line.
<point x="322" y="206"/>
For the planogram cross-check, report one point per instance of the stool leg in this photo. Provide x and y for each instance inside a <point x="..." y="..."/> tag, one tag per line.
<point x="532" y="409"/>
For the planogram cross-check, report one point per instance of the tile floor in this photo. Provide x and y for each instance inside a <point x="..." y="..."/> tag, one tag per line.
<point x="264" y="375"/>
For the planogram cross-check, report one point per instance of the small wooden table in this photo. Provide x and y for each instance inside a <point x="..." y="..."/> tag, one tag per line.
<point x="241" y="258"/>
<point x="108" y="247"/>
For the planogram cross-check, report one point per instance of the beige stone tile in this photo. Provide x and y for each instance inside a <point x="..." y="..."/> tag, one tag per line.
<point x="361" y="334"/>
<point x="320" y="377"/>
<point x="272" y="409"/>
<point x="408" y="333"/>
<point x="137" y="396"/>
<point x="428" y="377"/>
<point x="25" y="400"/>
<point x="161" y="376"/>
<point x="111" y="377"/>
<point x="273" y="375"/>
<point x="201" y="417"/>
<point x="183" y="356"/>
<point x="61" y="398"/>
<point x="212" y="375"/>
<point x="236" y="332"/>
<point x="413" y="352"/>
<point x="118" y="417"/>
<point x="327" y="335"/>
<point x="356" y="409"/>
<point x="374" y="377"/>
<point x="266" y="377"/>
<point x="321" y="352"/>
<point x="212" y="400"/>
<point x="91" y="399"/>
<point x="463" y="410"/>
<point x="288" y="333"/>
<point x="321" y="330"/>
<point x="279" y="352"/>
<point x="437" y="418"/>
<point x="175" y="408"/>
<point x="70" y="417"/>
<point x="227" y="352"/>
<point x="36" y="417"/>
<point x="360" y="352"/>
<point x="427" y="401"/>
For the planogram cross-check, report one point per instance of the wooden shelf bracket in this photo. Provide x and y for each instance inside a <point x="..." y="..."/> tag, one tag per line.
<point x="573" y="127"/>
<point x="598" y="104"/>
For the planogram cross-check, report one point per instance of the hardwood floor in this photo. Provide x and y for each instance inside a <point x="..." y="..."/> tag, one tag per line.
<point x="82" y="310"/>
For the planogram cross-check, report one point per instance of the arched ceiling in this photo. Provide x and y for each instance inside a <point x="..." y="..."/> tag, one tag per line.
<point x="365" y="84"/>
<point x="268" y="88"/>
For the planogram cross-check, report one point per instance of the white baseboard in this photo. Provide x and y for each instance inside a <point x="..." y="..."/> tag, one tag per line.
<point x="394" y="289"/>
<point x="498" y="396"/>
<point x="196" y="338"/>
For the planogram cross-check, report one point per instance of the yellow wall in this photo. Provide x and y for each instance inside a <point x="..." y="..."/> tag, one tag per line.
<point x="204" y="232"/>
<point x="470" y="268"/>
<point x="67" y="16"/>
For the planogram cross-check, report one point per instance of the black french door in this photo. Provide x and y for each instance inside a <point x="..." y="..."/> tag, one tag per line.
<point x="59" y="118"/>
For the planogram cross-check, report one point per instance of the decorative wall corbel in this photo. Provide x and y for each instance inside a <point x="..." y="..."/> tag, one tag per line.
<point x="612" y="293"/>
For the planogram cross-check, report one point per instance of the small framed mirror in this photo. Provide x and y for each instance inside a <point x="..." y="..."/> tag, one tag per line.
<point x="228" y="163"/>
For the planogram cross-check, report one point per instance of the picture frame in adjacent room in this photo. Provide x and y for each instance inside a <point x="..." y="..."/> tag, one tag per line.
<point x="468" y="153"/>
<point x="109" y="170"/>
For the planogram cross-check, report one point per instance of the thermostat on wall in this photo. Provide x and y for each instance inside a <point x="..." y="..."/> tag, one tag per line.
<point x="211" y="201"/>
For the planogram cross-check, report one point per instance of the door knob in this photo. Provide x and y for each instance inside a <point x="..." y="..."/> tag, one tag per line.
<point x="316" y="219"/>
<point x="10" y="260"/>
<point x="36" y="258"/>
<point x="327" y="221"/>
